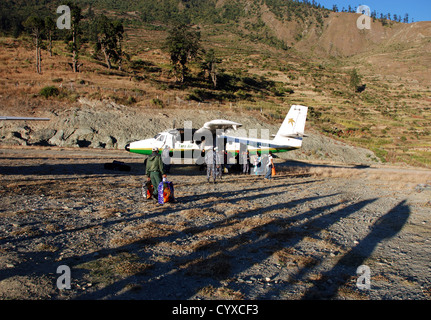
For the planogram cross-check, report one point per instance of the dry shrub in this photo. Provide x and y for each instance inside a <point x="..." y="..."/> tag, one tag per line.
<point x="214" y="199"/>
<point x="234" y="226"/>
<point x="388" y="174"/>
<point x="50" y="227"/>
<point x="216" y="265"/>
<point x="147" y="232"/>
<point x="348" y="293"/>
<point x="108" y="269"/>
<point x="197" y="213"/>
<point x="335" y="172"/>
<point x="401" y="176"/>
<point x="106" y="213"/>
<point x="122" y="241"/>
<point x="129" y="268"/>
<point x="211" y="245"/>
<point x="152" y="229"/>
<point x="222" y="293"/>
<point x="27" y="230"/>
<point x="243" y="203"/>
<point x="286" y="257"/>
<point x="46" y="247"/>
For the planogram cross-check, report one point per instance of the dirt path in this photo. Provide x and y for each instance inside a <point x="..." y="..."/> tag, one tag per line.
<point x="301" y="236"/>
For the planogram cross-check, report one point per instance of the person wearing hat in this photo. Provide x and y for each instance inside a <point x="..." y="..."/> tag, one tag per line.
<point x="154" y="170"/>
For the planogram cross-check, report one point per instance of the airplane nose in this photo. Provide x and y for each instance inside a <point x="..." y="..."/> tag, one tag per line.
<point x="127" y="147"/>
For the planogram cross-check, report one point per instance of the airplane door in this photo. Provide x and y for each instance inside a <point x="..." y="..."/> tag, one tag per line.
<point x="171" y="141"/>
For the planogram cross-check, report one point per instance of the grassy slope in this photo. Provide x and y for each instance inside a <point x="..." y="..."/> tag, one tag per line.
<point x="392" y="116"/>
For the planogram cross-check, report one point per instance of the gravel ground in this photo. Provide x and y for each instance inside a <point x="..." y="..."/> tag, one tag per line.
<point x="302" y="235"/>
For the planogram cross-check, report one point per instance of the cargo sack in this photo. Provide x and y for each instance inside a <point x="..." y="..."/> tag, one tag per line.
<point x="147" y="190"/>
<point x="166" y="192"/>
<point x="272" y="171"/>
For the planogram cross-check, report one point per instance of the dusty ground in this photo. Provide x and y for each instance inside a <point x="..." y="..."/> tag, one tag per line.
<point x="301" y="236"/>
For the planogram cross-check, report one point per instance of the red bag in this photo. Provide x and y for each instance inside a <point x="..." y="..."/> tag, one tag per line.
<point x="147" y="190"/>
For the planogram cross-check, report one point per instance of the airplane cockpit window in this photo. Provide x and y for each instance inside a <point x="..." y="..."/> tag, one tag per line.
<point x="161" y="137"/>
<point x="157" y="136"/>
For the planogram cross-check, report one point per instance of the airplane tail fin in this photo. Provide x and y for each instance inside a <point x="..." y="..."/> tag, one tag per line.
<point x="293" y="125"/>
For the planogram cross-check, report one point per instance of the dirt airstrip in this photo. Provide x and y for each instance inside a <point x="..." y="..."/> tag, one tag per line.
<point x="302" y="235"/>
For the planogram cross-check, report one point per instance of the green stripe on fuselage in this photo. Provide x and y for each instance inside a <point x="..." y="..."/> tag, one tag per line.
<point x="141" y="151"/>
<point x="176" y="151"/>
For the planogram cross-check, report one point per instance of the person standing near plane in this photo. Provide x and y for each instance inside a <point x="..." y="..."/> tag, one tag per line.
<point x="213" y="163"/>
<point x="245" y="161"/>
<point x="155" y="171"/>
<point x="269" y="166"/>
<point x="257" y="164"/>
<point x="166" y="158"/>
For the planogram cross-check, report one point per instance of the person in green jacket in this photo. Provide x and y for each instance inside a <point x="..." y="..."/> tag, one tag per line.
<point x="154" y="170"/>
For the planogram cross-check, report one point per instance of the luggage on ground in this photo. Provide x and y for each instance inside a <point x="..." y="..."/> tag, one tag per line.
<point x="166" y="192"/>
<point x="147" y="190"/>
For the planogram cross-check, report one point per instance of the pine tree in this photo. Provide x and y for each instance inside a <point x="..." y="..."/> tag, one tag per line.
<point x="209" y="66"/>
<point x="109" y="35"/>
<point x="49" y="28"/>
<point x="75" y="34"/>
<point x="183" y="45"/>
<point x="355" y="79"/>
<point x="36" y="25"/>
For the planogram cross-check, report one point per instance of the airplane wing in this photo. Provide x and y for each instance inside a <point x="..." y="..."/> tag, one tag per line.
<point x="219" y="124"/>
<point x="23" y="118"/>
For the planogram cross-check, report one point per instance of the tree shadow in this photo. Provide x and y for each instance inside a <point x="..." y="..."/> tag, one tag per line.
<point x="221" y="257"/>
<point x="212" y="262"/>
<point x="76" y="168"/>
<point x="385" y="227"/>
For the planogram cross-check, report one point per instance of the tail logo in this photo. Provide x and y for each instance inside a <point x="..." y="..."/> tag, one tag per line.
<point x="291" y="121"/>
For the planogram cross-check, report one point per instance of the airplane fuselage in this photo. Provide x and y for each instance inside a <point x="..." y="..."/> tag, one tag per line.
<point x="192" y="144"/>
<point x="231" y="146"/>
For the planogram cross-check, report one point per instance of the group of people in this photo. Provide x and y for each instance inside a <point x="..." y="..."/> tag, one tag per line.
<point x="214" y="162"/>
<point x="260" y="165"/>
<point x="157" y="166"/>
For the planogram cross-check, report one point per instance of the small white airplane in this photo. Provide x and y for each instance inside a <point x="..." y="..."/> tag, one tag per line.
<point x="192" y="144"/>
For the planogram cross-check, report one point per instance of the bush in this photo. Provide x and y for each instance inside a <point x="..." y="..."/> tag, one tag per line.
<point x="157" y="102"/>
<point x="49" y="91"/>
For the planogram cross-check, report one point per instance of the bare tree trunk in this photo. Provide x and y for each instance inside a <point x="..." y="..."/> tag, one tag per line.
<point x="213" y="74"/>
<point x="107" y="58"/>
<point x="120" y="58"/>
<point x="74" y="54"/>
<point x="37" y="55"/>
<point x="74" y="62"/>
<point x="50" y="43"/>
<point x="38" y="59"/>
